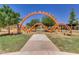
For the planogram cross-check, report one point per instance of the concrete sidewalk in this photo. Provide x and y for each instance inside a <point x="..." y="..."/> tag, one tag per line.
<point x="39" y="42"/>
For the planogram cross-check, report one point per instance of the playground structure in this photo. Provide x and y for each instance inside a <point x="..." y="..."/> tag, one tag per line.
<point x="56" y="26"/>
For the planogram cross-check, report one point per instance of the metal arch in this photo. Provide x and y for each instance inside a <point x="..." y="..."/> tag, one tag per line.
<point x="44" y="13"/>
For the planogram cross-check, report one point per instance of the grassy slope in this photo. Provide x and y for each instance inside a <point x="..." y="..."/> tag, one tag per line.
<point x="12" y="42"/>
<point x="66" y="43"/>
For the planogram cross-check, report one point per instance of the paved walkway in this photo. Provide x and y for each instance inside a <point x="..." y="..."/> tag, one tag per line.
<point x="39" y="44"/>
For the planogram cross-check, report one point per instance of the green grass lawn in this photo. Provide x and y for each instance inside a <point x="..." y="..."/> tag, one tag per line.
<point x="11" y="43"/>
<point x="65" y="43"/>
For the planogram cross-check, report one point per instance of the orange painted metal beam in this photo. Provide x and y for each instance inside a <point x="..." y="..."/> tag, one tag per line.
<point x="40" y="12"/>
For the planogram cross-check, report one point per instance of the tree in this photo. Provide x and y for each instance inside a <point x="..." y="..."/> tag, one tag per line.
<point x="33" y="21"/>
<point x="72" y="18"/>
<point x="47" y="21"/>
<point x="8" y="17"/>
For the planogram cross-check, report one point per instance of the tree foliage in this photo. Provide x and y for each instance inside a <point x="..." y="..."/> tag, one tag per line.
<point x="47" y="21"/>
<point x="8" y="16"/>
<point x="72" y="18"/>
<point x="33" y="21"/>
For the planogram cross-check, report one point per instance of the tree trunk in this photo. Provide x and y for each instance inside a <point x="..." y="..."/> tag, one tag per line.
<point x="8" y="30"/>
<point x="18" y="29"/>
<point x="71" y="27"/>
<point x="0" y="29"/>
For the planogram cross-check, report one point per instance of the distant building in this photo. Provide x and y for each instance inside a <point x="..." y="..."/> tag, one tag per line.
<point x="74" y="27"/>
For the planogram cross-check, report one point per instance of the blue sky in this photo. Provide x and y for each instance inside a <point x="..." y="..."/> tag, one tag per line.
<point x="59" y="11"/>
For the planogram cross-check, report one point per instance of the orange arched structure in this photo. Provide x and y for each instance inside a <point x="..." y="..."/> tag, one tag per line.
<point x="44" y="13"/>
<point x="38" y="24"/>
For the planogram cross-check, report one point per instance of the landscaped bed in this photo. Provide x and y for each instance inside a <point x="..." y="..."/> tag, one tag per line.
<point x="11" y="43"/>
<point x="65" y="43"/>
